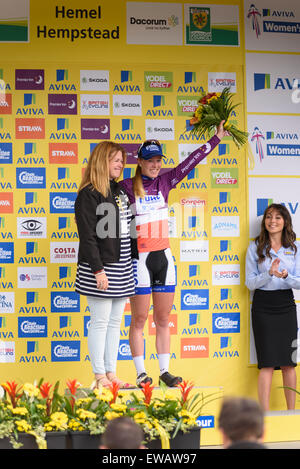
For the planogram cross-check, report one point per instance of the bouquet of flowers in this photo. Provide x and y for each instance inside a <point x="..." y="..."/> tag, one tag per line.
<point x="214" y="108"/>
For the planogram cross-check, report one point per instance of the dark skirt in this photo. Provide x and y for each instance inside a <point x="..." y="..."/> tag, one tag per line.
<point x="274" y="322"/>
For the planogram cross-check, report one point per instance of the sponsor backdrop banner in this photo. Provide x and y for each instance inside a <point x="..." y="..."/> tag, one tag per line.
<point x="273" y="114"/>
<point x="94" y="73"/>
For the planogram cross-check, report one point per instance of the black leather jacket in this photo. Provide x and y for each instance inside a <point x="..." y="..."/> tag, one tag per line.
<point x="92" y="249"/>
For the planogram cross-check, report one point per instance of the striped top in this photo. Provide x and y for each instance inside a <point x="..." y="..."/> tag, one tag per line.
<point x="119" y="274"/>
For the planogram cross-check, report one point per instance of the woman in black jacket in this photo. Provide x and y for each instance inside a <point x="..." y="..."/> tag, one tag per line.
<point x="104" y="271"/>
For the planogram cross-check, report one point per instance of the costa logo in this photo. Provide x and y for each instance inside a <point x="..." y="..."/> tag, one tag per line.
<point x="63" y="153"/>
<point x="30" y="128"/>
<point x="6" y="202"/>
<point x="195" y="347"/>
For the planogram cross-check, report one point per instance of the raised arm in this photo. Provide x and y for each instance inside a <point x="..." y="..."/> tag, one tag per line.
<point x="181" y="171"/>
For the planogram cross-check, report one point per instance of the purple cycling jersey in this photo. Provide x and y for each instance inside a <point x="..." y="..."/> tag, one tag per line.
<point x="152" y="210"/>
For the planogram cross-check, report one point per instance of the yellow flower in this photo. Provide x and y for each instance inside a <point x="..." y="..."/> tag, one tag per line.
<point x="85" y="414"/>
<point x="83" y="400"/>
<point x="22" y="425"/>
<point x="74" y="425"/>
<point x="118" y="407"/>
<point x="31" y="390"/>
<point x="58" y="420"/>
<point x="198" y="112"/>
<point x="111" y="415"/>
<point x="19" y="411"/>
<point x="41" y="406"/>
<point x="212" y="98"/>
<point x="140" y="417"/>
<point x="104" y="395"/>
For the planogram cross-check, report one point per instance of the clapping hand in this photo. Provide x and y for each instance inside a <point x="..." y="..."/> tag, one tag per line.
<point x="274" y="269"/>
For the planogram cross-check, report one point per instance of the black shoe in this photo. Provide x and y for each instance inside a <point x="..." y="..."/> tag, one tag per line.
<point x="170" y="380"/>
<point x="143" y="378"/>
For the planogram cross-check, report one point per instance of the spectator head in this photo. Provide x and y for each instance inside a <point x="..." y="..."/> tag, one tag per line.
<point x="122" y="433"/>
<point x="240" y="419"/>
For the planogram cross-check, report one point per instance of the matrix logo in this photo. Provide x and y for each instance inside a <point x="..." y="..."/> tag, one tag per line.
<point x="262" y="81"/>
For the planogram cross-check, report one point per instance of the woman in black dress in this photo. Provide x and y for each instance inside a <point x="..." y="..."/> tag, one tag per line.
<point x="272" y="271"/>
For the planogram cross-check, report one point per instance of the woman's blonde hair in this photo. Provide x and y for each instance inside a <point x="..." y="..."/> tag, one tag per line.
<point x="97" y="171"/>
<point x="137" y="183"/>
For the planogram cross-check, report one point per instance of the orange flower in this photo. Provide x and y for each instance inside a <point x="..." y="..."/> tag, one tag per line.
<point x="114" y="388"/>
<point x="147" y="391"/>
<point x="12" y="390"/>
<point x="194" y="120"/>
<point x="185" y="388"/>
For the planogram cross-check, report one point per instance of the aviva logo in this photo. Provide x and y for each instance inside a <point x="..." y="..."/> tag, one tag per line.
<point x="194" y="318"/>
<point x="126" y="75"/>
<point x="65" y="321"/>
<point x="31" y="247"/>
<point x="189" y="77"/>
<point x="64" y="272"/>
<point x="32" y="297"/>
<point x="225" y="342"/>
<point x="194" y="270"/>
<point x="262" y="204"/>
<point x="223" y="148"/>
<point x="262" y="81"/>
<point x="224" y="197"/>
<point x="225" y="294"/>
<point x="32" y="346"/>
<point x="225" y="245"/>
<point x="158" y="101"/>
<point x="62" y="75"/>
<point x="127" y="124"/>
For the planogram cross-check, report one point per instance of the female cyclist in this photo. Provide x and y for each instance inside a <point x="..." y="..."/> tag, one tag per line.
<point x="154" y="270"/>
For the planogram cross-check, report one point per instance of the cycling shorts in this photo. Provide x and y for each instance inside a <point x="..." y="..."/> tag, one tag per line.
<point x="154" y="272"/>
